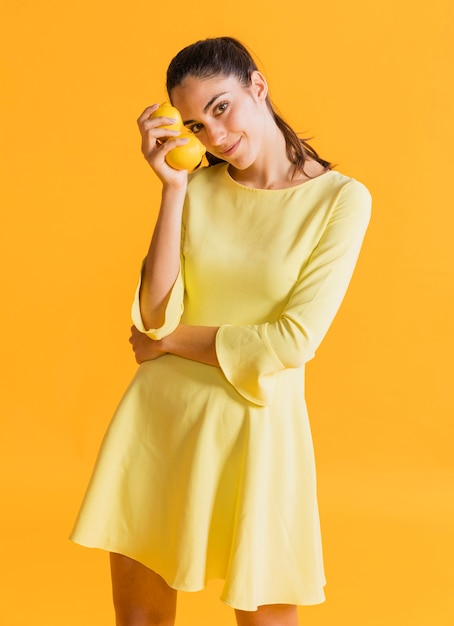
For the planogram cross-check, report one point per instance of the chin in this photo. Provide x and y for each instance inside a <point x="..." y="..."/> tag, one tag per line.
<point x="241" y="162"/>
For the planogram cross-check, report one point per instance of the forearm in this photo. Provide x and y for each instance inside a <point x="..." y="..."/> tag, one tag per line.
<point x="197" y="343"/>
<point x="163" y="259"/>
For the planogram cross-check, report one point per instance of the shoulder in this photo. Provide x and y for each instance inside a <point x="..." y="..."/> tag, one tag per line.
<point x="356" y="193"/>
<point x="206" y="176"/>
<point x="204" y="185"/>
<point x="351" y="210"/>
<point x="312" y="169"/>
<point x="349" y="191"/>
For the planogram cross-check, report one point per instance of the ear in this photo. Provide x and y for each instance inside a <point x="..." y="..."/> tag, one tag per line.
<point x="259" y="86"/>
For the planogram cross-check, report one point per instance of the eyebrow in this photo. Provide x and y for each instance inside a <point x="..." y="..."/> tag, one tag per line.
<point x="207" y="106"/>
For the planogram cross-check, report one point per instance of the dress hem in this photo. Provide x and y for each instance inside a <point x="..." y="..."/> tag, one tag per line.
<point x="223" y="598"/>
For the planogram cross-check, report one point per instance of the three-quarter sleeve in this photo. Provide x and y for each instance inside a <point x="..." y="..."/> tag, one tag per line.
<point x="173" y="312"/>
<point x="251" y="357"/>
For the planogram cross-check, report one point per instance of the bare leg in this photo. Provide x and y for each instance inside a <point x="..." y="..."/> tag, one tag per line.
<point x="141" y="597"/>
<point x="269" y="615"/>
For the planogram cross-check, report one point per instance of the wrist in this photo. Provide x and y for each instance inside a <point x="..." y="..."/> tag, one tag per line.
<point x="192" y="342"/>
<point x="175" y="190"/>
<point x="164" y="345"/>
<point x="169" y="343"/>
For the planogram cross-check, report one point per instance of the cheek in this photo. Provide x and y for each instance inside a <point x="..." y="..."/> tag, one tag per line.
<point x="243" y="121"/>
<point x="253" y="119"/>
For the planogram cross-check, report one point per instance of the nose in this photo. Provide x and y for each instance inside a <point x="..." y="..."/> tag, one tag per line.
<point x="216" y="133"/>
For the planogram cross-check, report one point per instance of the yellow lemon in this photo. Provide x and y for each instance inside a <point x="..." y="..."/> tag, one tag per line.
<point x="188" y="156"/>
<point x="167" y="110"/>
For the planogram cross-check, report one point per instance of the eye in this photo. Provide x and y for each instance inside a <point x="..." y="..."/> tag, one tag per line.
<point x="220" y="108"/>
<point x="196" y="128"/>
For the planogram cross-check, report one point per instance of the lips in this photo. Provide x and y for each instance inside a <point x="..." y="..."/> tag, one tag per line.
<point x="231" y="149"/>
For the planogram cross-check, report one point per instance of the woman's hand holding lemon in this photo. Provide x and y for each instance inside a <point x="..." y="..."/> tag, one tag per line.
<point x="167" y="110"/>
<point x="155" y="131"/>
<point x="167" y="143"/>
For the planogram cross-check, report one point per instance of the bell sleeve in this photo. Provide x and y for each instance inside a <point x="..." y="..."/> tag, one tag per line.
<point x="253" y="356"/>
<point x="173" y="312"/>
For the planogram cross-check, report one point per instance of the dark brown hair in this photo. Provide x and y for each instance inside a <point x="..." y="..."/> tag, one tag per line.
<point x="226" y="56"/>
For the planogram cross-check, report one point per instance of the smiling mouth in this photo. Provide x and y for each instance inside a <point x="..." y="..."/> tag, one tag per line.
<point x="232" y="149"/>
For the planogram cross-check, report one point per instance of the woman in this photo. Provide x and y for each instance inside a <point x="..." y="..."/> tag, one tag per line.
<point x="207" y="469"/>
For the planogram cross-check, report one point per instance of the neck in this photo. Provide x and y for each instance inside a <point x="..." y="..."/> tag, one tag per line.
<point x="272" y="170"/>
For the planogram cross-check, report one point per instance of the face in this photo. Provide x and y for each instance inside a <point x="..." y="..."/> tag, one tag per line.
<point x="228" y="118"/>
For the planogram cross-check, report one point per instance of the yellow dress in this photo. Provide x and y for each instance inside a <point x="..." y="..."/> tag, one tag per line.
<point x="209" y="472"/>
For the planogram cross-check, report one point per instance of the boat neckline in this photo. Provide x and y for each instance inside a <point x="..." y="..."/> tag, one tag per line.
<point x="309" y="182"/>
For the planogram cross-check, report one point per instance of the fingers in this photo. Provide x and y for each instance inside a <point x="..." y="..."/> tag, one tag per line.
<point x="133" y="338"/>
<point x="154" y="126"/>
<point x="155" y="152"/>
<point x="155" y="137"/>
<point x="134" y="344"/>
<point x="157" y="142"/>
<point x="147" y="112"/>
<point x="134" y="334"/>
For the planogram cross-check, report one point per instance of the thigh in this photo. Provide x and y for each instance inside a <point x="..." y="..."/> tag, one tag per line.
<point x="269" y="615"/>
<point x="140" y="595"/>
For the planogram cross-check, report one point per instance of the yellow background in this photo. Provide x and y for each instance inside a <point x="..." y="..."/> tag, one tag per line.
<point x="372" y="82"/>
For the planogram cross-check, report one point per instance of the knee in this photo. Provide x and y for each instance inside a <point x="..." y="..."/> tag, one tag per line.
<point x="141" y="617"/>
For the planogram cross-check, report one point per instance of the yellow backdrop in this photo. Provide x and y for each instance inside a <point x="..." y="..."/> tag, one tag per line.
<point x="372" y="82"/>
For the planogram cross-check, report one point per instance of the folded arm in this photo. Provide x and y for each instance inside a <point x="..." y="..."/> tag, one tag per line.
<point x="196" y="343"/>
